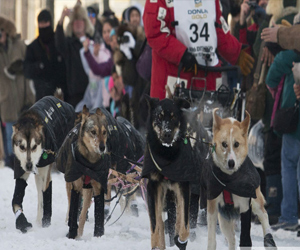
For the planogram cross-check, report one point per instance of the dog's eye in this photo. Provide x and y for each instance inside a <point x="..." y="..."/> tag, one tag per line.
<point x="22" y="147"/>
<point x="224" y="144"/>
<point x="104" y="132"/>
<point x="34" y="147"/>
<point x="93" y="132"/>
<point x="236" y="144"/>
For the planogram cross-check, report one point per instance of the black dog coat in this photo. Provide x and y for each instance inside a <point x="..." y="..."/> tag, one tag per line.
<point x="243" y="182"/>
<point x="123" y="140"/>
<point x="70" y="162"/>
<point x="58" y="119"/>
<point x="180" y="169"/>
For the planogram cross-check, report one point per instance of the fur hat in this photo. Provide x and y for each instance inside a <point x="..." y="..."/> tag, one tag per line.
<point x="280" y="8"/>
<point x="80" y="13"/>
<point x="8" y="27"/>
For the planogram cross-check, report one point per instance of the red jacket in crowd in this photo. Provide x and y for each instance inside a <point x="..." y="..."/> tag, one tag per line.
<point x="167" y="51"/>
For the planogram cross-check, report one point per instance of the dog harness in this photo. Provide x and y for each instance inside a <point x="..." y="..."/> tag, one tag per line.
<point x="243" y="182"/>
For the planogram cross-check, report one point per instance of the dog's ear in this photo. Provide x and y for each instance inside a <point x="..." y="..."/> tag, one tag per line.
<point x="85" y="112"/>
<point x="15" y="128"/>
<point x="99" y="112"/>
<point x="151" y="102"/>
<point x="245" y="124"/>
<point x="217" y="120"/>
<point x="182" y="103"/>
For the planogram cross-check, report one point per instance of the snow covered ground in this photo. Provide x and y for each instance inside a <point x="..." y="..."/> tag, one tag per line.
<point x="129" y="233"/>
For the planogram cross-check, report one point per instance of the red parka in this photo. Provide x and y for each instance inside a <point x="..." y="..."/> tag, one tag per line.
<point x="167" y="51"/>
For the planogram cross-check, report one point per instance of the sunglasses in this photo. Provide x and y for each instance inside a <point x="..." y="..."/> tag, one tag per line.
<point x="92" y="15"/>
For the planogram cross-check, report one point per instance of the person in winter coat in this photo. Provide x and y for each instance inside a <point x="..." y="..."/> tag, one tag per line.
<point x="290" y="152"/>
<point x="43" y="64"/>
<point x="69" y="45"/>
<point x="189" y="32"/>
<point x="130" y="39"/>
<point x="15" y="91"/>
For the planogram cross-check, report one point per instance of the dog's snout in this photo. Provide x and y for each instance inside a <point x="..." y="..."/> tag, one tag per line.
<point x="29" y="166"/>
<point x="102" y="147"/>
<point x="167" y="135"/>
<point x="231" y="164"/>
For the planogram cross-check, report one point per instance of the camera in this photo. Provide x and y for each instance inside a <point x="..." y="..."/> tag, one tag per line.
<point x="123" y="39"/>
<point x="252" y="4"/>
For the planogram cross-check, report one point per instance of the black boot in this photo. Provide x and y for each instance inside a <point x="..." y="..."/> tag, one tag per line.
<point x="99" y="215"/>
<point x="269" y="241"/>
<point x="171" y="211"/>
<point x="73" y="226"/>
<point x="194" y="209"/>
<point x="22" y="223"/>
<point x="47" y="201"/>
<point x="245" y="238"/>
<point x="181" y="246"/>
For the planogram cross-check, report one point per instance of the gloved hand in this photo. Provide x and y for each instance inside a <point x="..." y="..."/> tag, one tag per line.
<point x="16" y="67"/>
<point x="189" y="62"/>
<point x="127" y="46"/>
<point x="245" y="61"/>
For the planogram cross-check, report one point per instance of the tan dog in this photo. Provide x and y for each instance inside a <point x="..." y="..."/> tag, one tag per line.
<point x="84" y="160"/>
<point x="232" y="182"/>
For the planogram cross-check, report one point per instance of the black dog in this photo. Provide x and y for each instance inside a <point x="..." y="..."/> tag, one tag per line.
<point x="169" y="165"/>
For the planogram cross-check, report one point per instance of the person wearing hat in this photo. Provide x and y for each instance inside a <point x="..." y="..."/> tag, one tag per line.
<point x="15" y="90"/>
<point x="43" y="63"/>
<point x="69" y="43"/>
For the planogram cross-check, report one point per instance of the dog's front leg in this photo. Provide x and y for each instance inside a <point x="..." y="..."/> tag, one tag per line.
<point x="73" y="212"/>
<point x="155" y="206"/>
<point x="227" y="228"/>
<point x="212" y="214"/>
<point x="19" y="193"/>
<point x="87" y="194"/>
<point x="44" y="191"/>
<point x="99" y="208"/>
<point x="259" y="209"/>
<point x="182" y="192"/>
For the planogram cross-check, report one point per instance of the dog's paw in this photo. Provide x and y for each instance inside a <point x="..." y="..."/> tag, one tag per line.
<point x="72" y="234"/>
<point x="46" y="222"/>
<point x="193" y="235"/>
<point x="180" y="245"/>
<point x="22" y="224"/>
<point x="269" y="242"/>
<point x="134" y="210"/>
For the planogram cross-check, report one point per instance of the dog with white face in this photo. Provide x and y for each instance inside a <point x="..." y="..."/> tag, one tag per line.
<point x="37" y="136"/>
<point x="232" y="184"/>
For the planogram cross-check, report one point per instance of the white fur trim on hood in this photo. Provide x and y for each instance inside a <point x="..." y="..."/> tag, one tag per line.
<point x="80" y="12"/>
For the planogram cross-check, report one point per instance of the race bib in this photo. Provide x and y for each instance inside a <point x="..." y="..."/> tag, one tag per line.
<point x="196" y="29"/>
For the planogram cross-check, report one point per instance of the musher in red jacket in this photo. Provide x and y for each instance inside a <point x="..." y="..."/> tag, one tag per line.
<point x="189" y="31"/>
